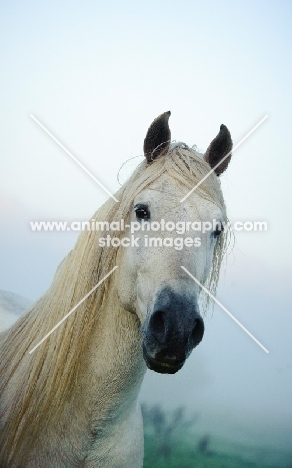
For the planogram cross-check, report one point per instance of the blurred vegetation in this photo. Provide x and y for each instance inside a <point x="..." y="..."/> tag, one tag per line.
<point x="172" y="442"/>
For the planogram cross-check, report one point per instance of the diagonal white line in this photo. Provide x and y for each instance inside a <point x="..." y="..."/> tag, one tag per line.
<point x="226" y="156"/>
<point x="225" y="310"/>
<point x="72" y="310"/>
<point x="73" y="157"/>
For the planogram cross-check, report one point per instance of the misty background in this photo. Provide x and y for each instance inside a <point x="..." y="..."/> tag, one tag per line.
<point x="96" y="74"/>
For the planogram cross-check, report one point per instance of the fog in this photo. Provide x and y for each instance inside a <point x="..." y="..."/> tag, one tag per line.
<point x="96" y="75"/>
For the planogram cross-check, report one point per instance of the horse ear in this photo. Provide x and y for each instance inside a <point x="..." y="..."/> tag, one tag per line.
<point x="157" y="140"/>
<point x="219" y="150"/>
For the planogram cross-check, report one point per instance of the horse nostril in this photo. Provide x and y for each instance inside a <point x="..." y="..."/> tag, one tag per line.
<point x="157" y="321"/>
<point x="198" y="331"/>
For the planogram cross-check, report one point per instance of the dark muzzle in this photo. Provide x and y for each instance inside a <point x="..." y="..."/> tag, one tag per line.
<point x="173" y="329"/>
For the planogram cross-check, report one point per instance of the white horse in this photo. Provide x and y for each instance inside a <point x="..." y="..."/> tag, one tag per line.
<point x="73" y="402"/>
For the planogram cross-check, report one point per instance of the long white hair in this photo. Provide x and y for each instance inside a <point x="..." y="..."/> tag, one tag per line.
<point x="38" y="385"/>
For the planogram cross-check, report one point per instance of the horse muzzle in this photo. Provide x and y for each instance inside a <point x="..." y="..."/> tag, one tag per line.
<point x="173" y="329"/>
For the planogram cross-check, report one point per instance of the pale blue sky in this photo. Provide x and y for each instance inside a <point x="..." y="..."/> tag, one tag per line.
<point x="97" y="73"/>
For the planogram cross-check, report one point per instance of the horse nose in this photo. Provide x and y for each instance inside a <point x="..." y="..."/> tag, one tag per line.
<point x="173" y="329"/>
<point x="198" y="331"/>
<point x="168" y="327"/>
<point x="157" y="323"/>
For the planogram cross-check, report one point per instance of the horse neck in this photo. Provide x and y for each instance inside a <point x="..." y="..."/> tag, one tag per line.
<point x="113" y="367"/>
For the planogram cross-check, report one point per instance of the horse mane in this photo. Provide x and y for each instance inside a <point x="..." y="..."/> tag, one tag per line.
<point x="49" y="375"/>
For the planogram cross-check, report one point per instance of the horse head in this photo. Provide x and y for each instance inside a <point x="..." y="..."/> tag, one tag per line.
<point x="168" y="233"/>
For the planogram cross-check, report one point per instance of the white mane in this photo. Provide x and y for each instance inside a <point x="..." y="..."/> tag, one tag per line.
<point x="52" y="374"/>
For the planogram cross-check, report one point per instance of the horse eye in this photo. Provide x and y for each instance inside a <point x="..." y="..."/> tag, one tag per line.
<point x="142" y="212"/>
<point x="218" y="230"/>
